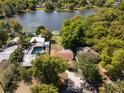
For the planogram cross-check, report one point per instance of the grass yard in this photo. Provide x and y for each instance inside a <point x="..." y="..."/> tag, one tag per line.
<point x="56" y="43"/>
<point x="40" y="8"/>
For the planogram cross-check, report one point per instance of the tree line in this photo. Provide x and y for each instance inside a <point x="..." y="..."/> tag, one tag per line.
<point x="8" y="30"/>
<point x="75" y="4"/>
<point x="104" y="33"/>
<point x="11" y="7"/>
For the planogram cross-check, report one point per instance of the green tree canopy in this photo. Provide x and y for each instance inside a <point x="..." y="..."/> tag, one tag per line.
<point x="86" y="58"/>
<point x="3" y="37"/>
<point x="86" y="63"/>
<point x="49" y="6"/>
<point x="44" y="32"/>
<point x="72" y="33"/>
<point x="46" y="68"/>
<point x="118" y="87"/>
<point x="24" y="73"/>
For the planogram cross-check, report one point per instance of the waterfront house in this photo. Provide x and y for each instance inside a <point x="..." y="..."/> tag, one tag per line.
<point x="38" y="47"/>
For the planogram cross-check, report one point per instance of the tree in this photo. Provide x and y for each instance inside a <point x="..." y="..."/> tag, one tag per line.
<point x="49" y="6"/>
<point x="46" y="68"/>
<point x="100" y="3"/>
<point x="121" y="6"/>
<point x="91" y="74"/>
<point x="17" y="56"/>
<point x="86" y="58"/>
<point x="115" y="65"/>
<point x="86" y="63"/>
<point x="24" y="73"/>
<point x="110" y="14"/>
<point x="44" y="32"/>
<point x="10" y="7"/>
<point x="109" y="2"/>
<point x="108" y="88"/>
<point x="15" y="25"/>
<point x="82" y="2"/>
<point x="3" y="37"/>
<point x="72" y="33"/>
<point x="43" y="88"/>
<point x="118" y="87"/>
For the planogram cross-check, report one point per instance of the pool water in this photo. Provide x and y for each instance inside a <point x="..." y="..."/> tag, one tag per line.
<point x="37" y="50"/>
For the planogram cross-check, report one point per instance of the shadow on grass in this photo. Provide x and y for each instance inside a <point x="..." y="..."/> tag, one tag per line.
<point x="53" y="42"/>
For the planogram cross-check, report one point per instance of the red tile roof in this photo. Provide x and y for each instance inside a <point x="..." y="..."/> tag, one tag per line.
<point x="65" y="54"/>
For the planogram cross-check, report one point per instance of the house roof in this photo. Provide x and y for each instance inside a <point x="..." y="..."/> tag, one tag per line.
<point x="37" y="39"/>
<point x="65" y="54"/>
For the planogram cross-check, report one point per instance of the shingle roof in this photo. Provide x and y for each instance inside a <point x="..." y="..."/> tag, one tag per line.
<point x="65" y="54"/>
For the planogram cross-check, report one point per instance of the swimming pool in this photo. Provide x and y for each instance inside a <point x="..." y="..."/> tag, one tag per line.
<point x="37" y="50"/>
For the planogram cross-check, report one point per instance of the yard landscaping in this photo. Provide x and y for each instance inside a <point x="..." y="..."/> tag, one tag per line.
<point x="56" y="44"/>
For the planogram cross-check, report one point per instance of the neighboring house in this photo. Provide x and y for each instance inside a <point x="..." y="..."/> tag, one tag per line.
<point x="5" y="54"/>
<point x="9" y="49"/>
<point x="66" y="54"/>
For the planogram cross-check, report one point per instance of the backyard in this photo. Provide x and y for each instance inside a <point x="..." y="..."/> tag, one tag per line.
<point x="56" y="44"/>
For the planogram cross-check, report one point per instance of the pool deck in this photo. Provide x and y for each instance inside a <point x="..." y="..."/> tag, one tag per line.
<point x="29" y="57"/>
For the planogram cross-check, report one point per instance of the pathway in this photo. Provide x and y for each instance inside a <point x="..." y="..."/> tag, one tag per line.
<point x="23" y="88"/>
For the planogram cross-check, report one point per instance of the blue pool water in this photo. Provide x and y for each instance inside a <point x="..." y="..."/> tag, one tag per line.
<point x="37" y="50"/>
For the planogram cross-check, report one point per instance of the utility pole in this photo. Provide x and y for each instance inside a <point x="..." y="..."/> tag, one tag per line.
<point x="49" y="47"/>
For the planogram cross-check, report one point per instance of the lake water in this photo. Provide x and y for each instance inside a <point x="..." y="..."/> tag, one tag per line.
<point x="53" y="20"/>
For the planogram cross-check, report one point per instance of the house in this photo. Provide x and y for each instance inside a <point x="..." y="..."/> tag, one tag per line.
<point x="5" y="54"/>
<point x="66" y="54"/>
<point x="37" y="39"/>
<point x="9" y="48"/>
<point x="38" y="46"/>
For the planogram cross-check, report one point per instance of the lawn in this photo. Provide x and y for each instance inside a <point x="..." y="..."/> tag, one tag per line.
<point x="56" y="43"/>
<point x="40" y="8"/>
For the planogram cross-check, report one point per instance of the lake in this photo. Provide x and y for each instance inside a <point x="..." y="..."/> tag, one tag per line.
<point x="52" y="20"/>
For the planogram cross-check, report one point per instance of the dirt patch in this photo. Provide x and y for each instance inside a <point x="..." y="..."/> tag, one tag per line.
<point x="24" y="87"/>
